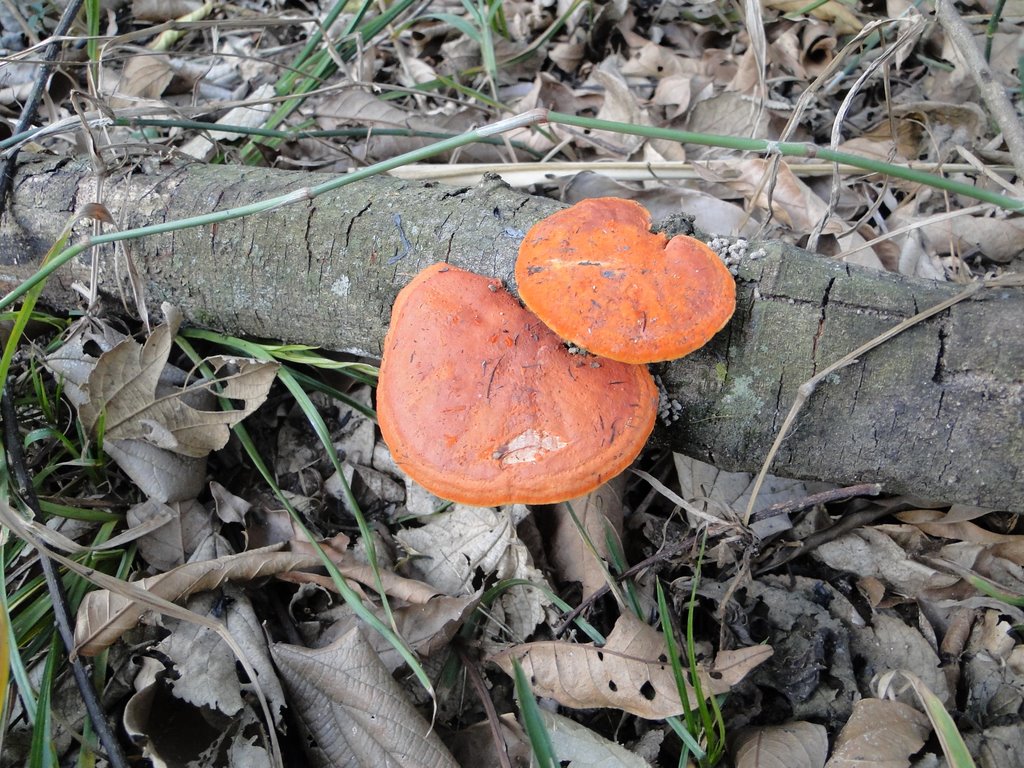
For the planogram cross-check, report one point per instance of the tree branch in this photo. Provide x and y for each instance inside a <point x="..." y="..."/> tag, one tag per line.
<point x="934" y="412"/>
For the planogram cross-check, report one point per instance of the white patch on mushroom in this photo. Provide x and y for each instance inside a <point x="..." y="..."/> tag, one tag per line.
<point x="529" y="446"/>
<point x="341" y="286"/>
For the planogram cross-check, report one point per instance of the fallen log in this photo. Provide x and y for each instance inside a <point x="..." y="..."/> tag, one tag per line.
<point x="937" y="411"/>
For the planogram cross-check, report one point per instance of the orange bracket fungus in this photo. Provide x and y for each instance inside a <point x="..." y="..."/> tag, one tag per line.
<point x="482" y="404"/>
<point x="598" y="277"/>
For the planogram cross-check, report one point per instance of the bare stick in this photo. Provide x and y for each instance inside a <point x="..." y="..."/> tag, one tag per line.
<point x="993" y="94"/>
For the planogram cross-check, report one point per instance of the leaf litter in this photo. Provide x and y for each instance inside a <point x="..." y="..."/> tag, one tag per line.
<point x="797" y="655"/>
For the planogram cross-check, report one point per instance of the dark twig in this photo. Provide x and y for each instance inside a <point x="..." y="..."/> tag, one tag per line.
<point x="28" y="111"/>
<point x="825" y="497"/>
<point x="61" y="611"/>
<point x="665" y="553"/>
<point x="845" y="524"/>
<point x="993" y="94"/>
<point x="500" y="746"/>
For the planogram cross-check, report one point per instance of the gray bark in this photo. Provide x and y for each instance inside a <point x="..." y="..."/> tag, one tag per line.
<point x="937" y="412"/>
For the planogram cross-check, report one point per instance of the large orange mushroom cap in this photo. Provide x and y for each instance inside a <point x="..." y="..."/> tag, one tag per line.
<point x="598" y="277"/>
<point x="481" y="404"/>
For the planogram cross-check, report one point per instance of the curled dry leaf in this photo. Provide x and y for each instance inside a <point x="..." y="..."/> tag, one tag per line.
<point x="353" y="711"/>
<point x="105" y="615"/>
<point x="631" y="672"/>
<point x="157" y="431"/>
<point x="879" y="732"/>
<point x="128" y="390"/>
<point x="790" y="745"/>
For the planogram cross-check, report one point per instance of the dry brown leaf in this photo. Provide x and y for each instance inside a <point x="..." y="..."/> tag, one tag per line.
<point x="620" y="104"/>
<point x="408" y="590"/>
<point x="104" y="615"/>
<point x="790" y="745"/>
<point x="870" y="552"/>
<point x="997" y="238"/>
<point x="206" y="669"/>
<point x="631" y="672"/>
<point x="426" y="628"/>
<point x="600" y="514"/>
<point x="353" y="711"/>
<point x="171" y="544"/>
<point x="891" y="644"/>
<point x="726" y="494"/>
<point x="465" y="543"/>
<point x="577" y="744"/>
<point x="146" y="75"/>
<point x="880" y="733"/>
<point x="127" y="391"/>
<point x="230" y="508"/>
<point x="846" y="23"/>
<point x="475" y="745"/>
<point x="163" y="10"/>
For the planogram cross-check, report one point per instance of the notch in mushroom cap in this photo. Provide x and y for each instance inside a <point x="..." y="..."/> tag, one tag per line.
<point x="598" y="277"/>
<point x="480" y="403"/>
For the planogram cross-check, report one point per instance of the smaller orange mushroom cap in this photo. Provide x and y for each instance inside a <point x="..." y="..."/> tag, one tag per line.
<point x="598" y="277"/>
<point x="482" y="404"/>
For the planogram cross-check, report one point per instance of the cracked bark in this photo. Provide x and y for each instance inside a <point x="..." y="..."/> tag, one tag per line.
<point x="326" y="273"/>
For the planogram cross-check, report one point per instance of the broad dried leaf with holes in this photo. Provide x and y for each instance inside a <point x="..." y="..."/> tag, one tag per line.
<point x="127" y="390"/>
<point x="352" y="710"/>
<point x="630" y="672"/>
<point x="790" y="745"/>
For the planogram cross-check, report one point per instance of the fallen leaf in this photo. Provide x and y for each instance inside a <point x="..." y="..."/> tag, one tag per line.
<point x="104" y="616"/>
<point x="146" y="76"/>
<point x="127" y="391"/>
<point x="891" y="644"/>
<point x="173" y="543"/>
<point x="352" y="710"/>
<point x="580" y="746"/>
<point x="475" y="745"/>
<point x="207" y="672"/>
<point x="426" y="628"/>
<point x="454" y="548"/>
<point x="790" y="745"/>
<point x="630" y="672"/>
<point x="600" y="514"/>
<point x="880" y="733"/>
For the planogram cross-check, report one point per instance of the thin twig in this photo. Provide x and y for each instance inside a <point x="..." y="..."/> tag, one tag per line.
<point x="493" y="719"/>
<point x="825" y="497"/>
<point x="992" y="91"/>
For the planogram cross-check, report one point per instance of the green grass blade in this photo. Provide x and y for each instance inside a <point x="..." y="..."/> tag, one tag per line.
<point x="42" y="753"/>
<point x="540" y="739"/>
